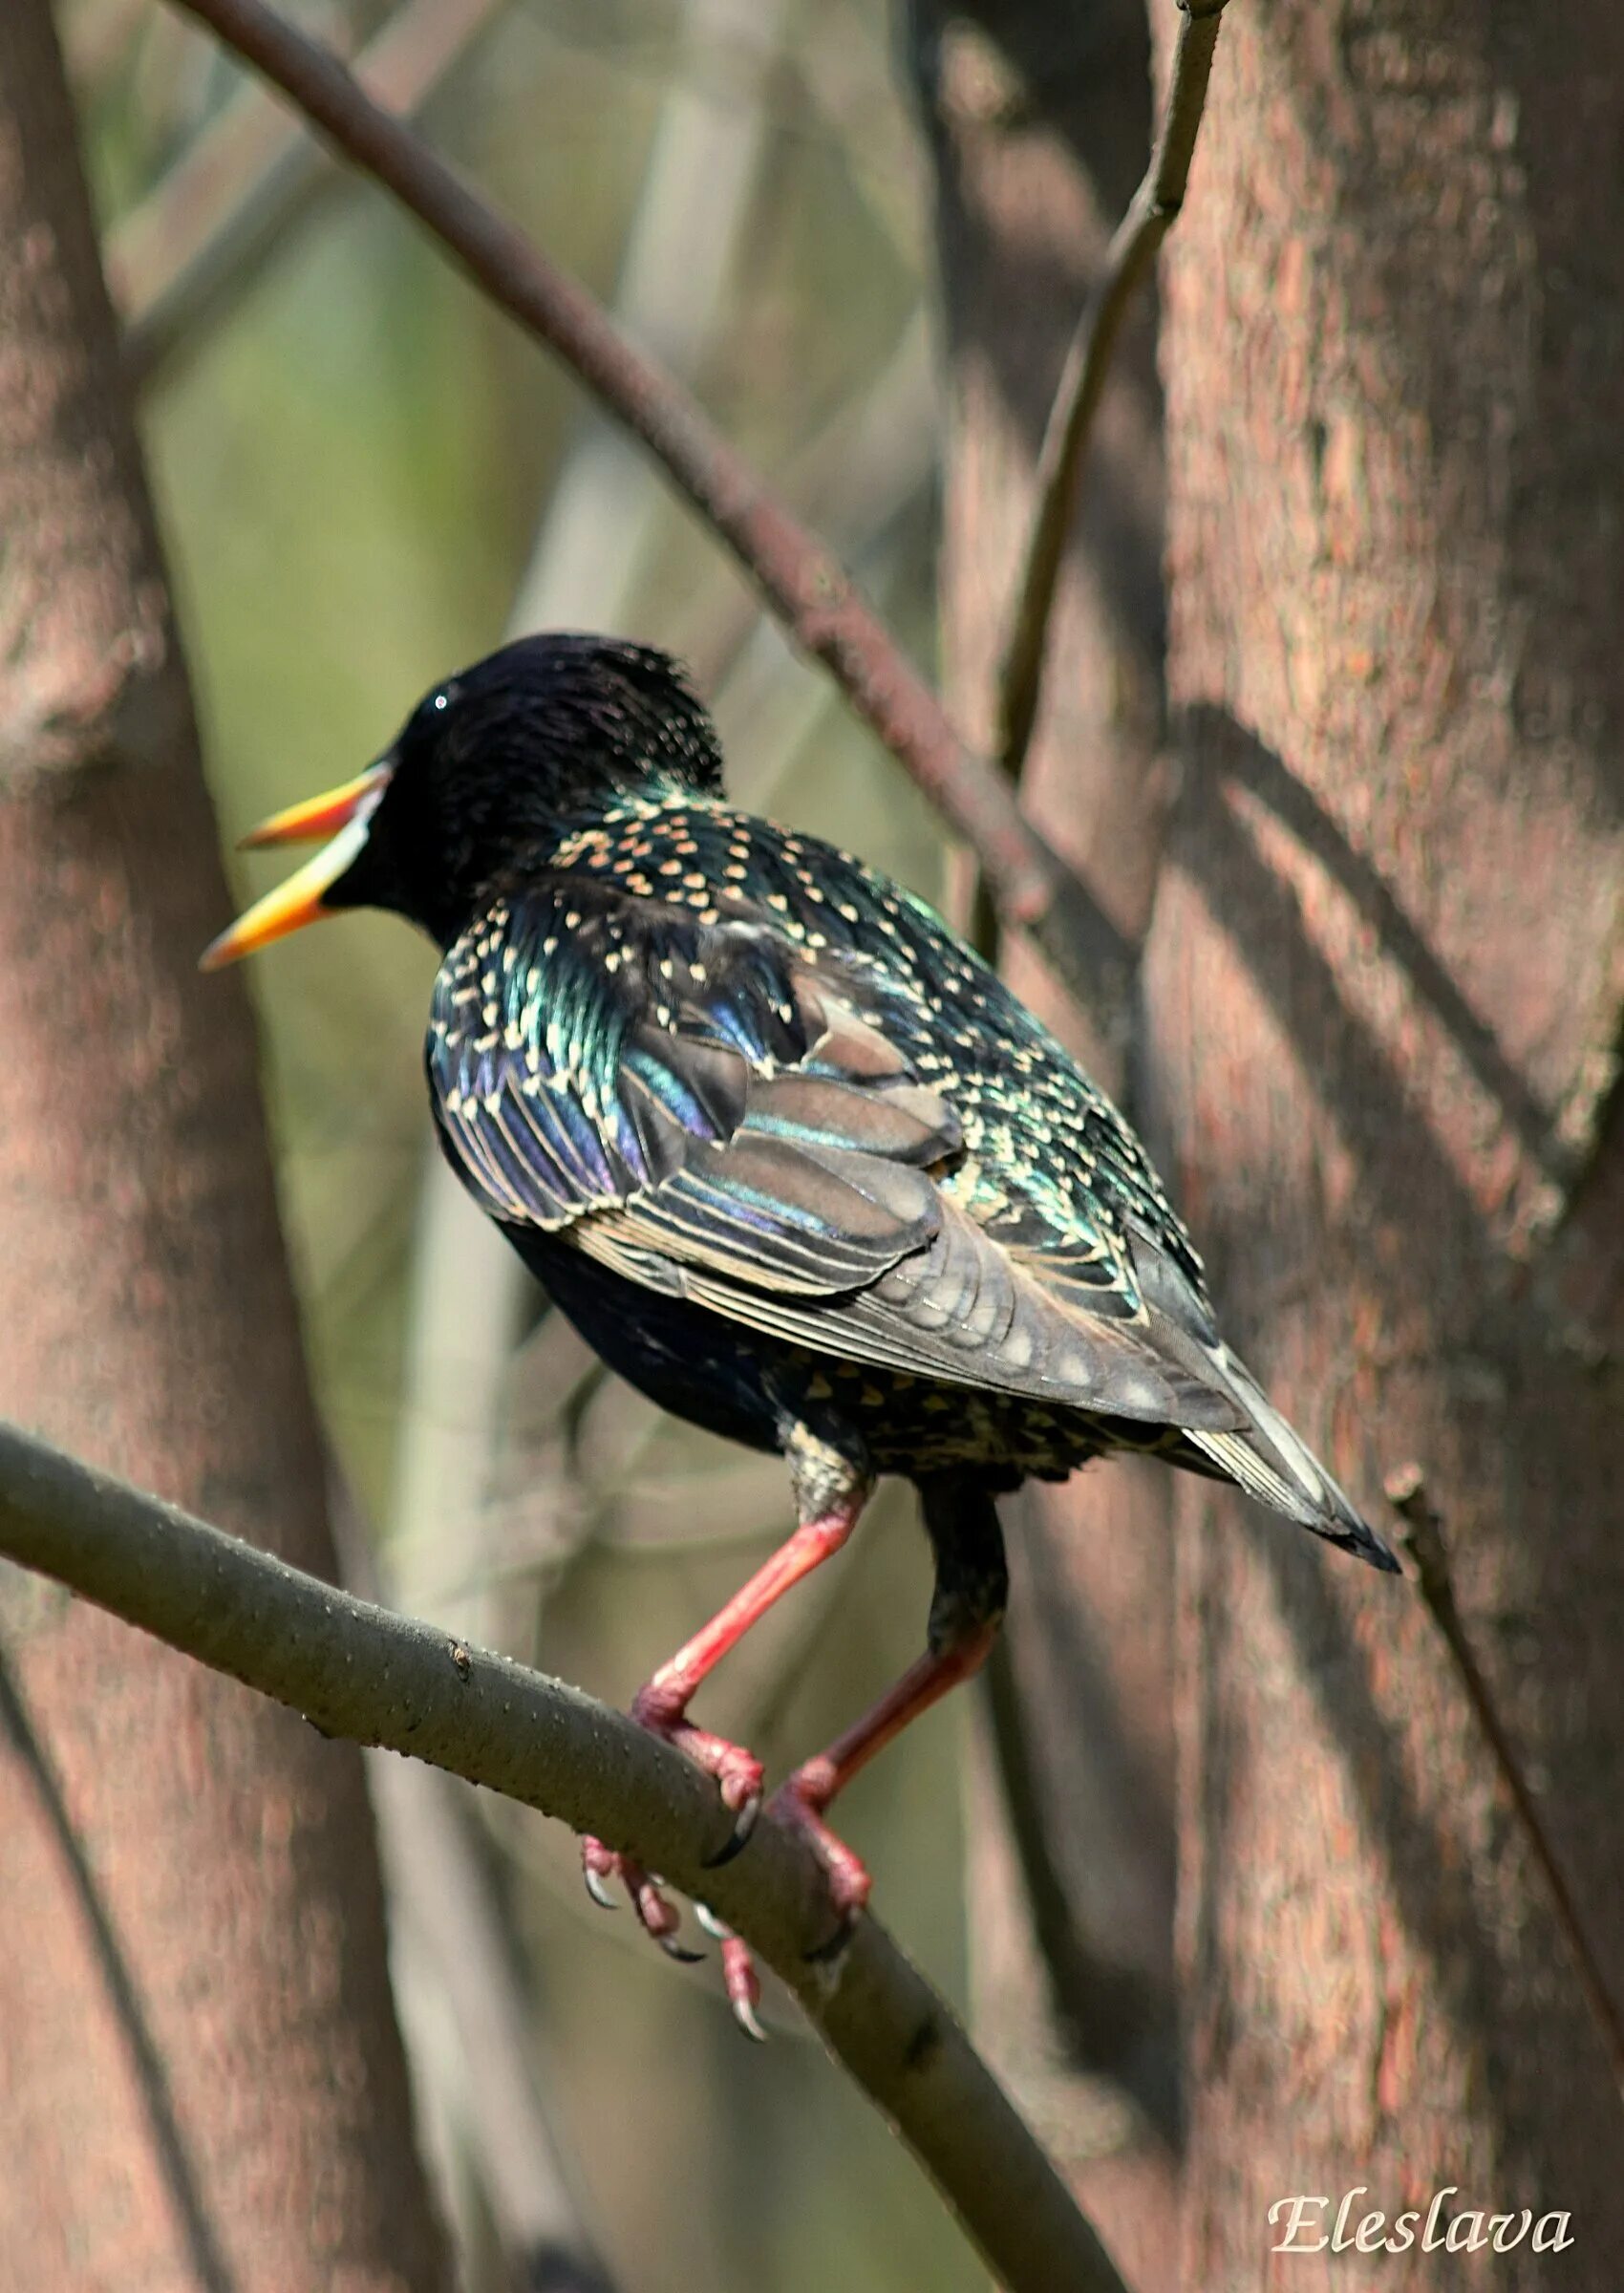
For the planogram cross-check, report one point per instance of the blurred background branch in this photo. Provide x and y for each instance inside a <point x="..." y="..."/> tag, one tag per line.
<point x="242" y="188"/>
<point x="519" y="2205"/>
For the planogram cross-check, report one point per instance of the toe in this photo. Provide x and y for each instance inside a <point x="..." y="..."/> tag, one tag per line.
<point x="797" y="1804"/>
<point x="743" y="1987"/>
<point x="745" y="1812"/>
<point x="599" y="1866"/>
<point x="658" y="1914"/>
<point x="737" y="1772"/>
<point x="834" y="1949"/>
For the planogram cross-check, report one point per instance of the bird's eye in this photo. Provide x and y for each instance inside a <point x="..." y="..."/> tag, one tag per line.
<point x="442" y="700"/>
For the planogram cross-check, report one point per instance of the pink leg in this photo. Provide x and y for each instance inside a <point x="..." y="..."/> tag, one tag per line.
<point x="661" y="1706"/>
<point x="803" y="1797"/>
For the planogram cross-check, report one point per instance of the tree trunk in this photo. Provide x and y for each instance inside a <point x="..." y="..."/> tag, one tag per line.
<point x="1038" y="122"/>
<point x="203" y="2081"/>
<point x="1385" y="986"/>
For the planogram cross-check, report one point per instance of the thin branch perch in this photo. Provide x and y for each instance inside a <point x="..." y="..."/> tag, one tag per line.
<point x="357" y="1671"/>
<point x="800" y="580"/>
<point x="1151" y="216"/>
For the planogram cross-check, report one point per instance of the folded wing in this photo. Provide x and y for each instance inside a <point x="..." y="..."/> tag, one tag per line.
<point x="718" y="1115"/>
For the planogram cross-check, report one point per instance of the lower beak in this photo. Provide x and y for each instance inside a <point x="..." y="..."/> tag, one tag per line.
<point x="344" y="816"/>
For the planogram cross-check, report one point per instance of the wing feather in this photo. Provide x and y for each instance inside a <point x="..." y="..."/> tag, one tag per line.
<point x="716" y="1115"/>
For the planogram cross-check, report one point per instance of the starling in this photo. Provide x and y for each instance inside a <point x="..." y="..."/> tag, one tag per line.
<point x="791" y="1159"/>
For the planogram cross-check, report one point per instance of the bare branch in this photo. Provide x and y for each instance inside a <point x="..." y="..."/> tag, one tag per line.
<point x="800" y="580"/>
<point x="1151" y="215"/>
<point x="354" y="1670"/>
<point x="1423" y="1540"/>
<point x="179" y="261"/>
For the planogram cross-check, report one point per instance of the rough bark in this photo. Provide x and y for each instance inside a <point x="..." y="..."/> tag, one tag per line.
<point x="1038" y="122"/>
<point x="1386" y="981"/>
<point x="203" y="2084"/>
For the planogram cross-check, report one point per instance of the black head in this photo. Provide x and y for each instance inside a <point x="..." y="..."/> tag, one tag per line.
<point x="497" y="762"/>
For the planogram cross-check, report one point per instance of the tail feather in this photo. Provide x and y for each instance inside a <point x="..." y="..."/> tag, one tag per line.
<point x="1269" y="1460"/>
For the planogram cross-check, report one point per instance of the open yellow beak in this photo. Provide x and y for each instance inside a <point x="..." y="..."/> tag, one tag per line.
<point x="343" y="816"/>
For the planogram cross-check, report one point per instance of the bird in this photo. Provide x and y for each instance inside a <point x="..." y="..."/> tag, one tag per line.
<point x="790" y="1156"/>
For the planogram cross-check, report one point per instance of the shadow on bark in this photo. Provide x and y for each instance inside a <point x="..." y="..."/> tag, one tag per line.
<point x="1115" y="2021"/>
<point x="1519" y="1391"/>
<point x="1249" y="764"/>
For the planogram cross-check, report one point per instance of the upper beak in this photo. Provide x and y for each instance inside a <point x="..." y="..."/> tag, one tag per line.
<point x="343" y="815"/>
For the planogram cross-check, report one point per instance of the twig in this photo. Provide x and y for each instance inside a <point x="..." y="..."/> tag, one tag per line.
<point x="1406" y="1493"/>
<point x="798" y="577"/>
<point x="177" y="263"/>
<point x="1151" y="216"/>
<point x="354" y="1670"/>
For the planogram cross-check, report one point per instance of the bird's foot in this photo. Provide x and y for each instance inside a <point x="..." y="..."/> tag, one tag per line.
<point x="800" y="1802"/>
<point x="657" y="1915"/>
<point x="742" y="1983"/>
<point x="739" y="1783"/>
<point x="737" y="1772"/>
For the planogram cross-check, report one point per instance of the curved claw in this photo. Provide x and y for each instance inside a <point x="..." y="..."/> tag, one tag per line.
<point x="598" y="1889"/>
<point x="831" y="1952"/>
<point x="657" y="1918"/>
<point x="718" y="1928"/>
<point x="744" y="2014"/>
<point x="679" y="1951"/>
<point x="744" y="1988"/>
<point x="743" y="1826"/>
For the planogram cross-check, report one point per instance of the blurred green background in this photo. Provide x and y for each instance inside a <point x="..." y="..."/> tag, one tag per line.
<point x="364" y="478"/>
